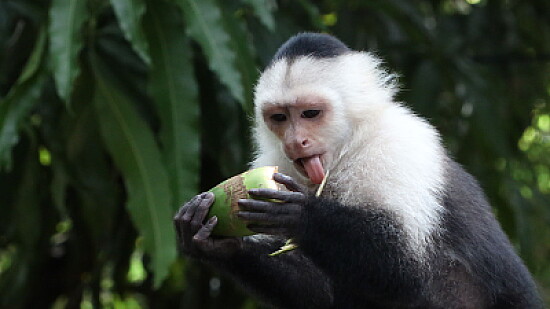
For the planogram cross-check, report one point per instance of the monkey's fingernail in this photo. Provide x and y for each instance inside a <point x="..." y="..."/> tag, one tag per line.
<point x="213" y="220"/>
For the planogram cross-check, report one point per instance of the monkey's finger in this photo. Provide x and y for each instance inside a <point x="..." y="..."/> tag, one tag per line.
<point x="185" y="207"/>
<point x="269" y="207"/>
<point x="206" y="230"/>
<point x="193" y="204"/>
<point x="288" y="182"/>
<point x="286" y="196"/>
<point x="178" y="221"/>
<point x="202" y="210"/>
<point x="188" y="229"/>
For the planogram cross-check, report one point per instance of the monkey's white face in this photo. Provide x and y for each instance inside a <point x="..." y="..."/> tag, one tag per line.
<point x="301" y="105"/>
<point x="299" y="126"/>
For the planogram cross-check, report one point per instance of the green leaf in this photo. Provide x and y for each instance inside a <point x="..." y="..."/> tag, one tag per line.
<point x="66" y="20"/>
<point x="25" y="235"/>
<point x="58" y="188"/>
<point x="174" y="89"/>
<point x="20" y="100"/>
<point x="88" y="170"/>
<point x="27" y="203"/>
<point x="129" y="14"/>
<point x="264" y="11"/>
<point x="242" y="44"/>
<point x="132" y="146"/>
<point x="205" y="25"/>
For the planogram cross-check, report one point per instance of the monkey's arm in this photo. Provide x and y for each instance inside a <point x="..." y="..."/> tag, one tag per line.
<point x="359" y="245"/>
<point x="287" y="281"/>
<point x="291" y="281"/>
<point x="361" y="249"/>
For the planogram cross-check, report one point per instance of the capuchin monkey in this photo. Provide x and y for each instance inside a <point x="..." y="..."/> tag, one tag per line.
<point x="399" y="224"/>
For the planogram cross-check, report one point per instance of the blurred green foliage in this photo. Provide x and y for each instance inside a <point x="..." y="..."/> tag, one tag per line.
<point x="114" y="113"/>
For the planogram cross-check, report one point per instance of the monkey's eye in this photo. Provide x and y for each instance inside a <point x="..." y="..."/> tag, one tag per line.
<point x="311" y="113"/>
<point x="278" y="117"/>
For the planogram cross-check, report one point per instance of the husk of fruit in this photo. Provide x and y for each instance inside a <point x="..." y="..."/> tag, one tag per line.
<point x="228" y="193"/>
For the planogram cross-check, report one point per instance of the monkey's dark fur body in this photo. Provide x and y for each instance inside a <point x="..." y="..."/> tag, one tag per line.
<point x="362" y="255"/>
<point x="353" y="257"/>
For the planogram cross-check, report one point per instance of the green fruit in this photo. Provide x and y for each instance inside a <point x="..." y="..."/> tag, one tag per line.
<point x="230" y="191"/>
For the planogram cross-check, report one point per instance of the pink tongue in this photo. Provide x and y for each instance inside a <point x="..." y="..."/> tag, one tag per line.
<point x="314" y="169"/>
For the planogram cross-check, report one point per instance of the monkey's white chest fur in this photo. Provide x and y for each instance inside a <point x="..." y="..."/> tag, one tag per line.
<point x="398" y="164"/>
<point x="395" y="162"/>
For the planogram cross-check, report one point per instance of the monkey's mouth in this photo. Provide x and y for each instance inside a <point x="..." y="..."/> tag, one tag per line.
<point x="311" y="167"/>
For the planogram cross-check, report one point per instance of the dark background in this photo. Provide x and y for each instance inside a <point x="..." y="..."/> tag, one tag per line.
<point x="114" y="113"/>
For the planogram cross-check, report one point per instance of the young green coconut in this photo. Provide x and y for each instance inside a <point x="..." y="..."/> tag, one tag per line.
<point x="230" y="191"/>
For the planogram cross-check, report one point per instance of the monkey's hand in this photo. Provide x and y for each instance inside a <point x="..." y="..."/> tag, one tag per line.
<point x="194" y="235"/>
<point x="280" y="217"/>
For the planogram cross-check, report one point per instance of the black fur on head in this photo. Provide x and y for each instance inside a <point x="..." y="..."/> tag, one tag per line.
<point x="317" y="45"/>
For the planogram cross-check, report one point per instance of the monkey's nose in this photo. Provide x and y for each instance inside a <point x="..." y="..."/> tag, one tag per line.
<point x="305" y="143"/>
